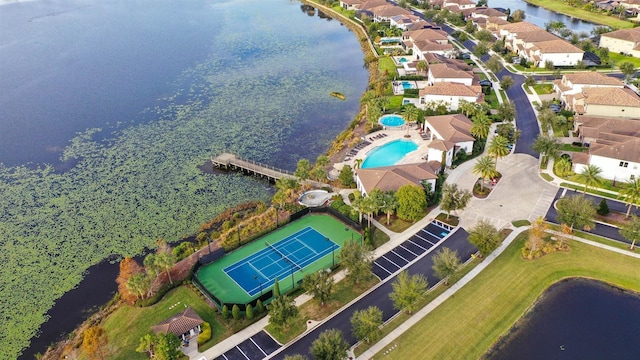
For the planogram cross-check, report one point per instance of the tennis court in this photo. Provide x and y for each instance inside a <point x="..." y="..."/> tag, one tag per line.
<point x="233" y="279"/>
<point x="278" y="260"/>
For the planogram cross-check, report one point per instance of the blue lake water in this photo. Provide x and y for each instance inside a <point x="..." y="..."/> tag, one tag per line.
<point x="174" y="81"/>
<point x="389" y="154"/>
<point x="540" y="16"/>
<point x="576" y="319"/>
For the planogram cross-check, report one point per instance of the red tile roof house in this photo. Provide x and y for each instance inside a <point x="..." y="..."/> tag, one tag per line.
<point x="572" y="84"/>
<point x="625" y="41"/>
<point x="450" y="72"/>
<point x="614" y="146"/>
<point x="448" y="134"/>
<point x="606" y="101"/>
<point x="185" y="325"/>
<point x="424" y="41"/>
<point x="385" y="12"/>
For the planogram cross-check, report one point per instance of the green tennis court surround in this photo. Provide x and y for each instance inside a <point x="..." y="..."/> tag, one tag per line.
<point x="303" y="246"/>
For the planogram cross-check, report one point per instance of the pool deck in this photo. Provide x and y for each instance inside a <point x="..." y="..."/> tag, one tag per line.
<point x="413" y="157"/>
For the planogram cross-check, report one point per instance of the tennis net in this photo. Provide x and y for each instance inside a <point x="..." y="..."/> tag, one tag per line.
<point x="285" y="257"/>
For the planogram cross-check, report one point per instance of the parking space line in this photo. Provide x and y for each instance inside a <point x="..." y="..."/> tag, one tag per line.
<point x="258" y="346"/>
<point x="425" y="239"/>
<point x="408" y="250"/>
<point x="429" y="232"/>
<point x="399" y="267"/>
<point x="418" y="245"/>
<point x="243" y="354"/>
<point x="225" y="356"/>
<point x="383" y="268"/>
<point x="400" y="256"/>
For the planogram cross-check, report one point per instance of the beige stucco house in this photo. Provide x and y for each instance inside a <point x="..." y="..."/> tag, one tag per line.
<point x="624" y="41"/>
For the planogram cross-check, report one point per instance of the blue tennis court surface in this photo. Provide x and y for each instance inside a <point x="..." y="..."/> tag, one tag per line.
<point x="292" y="253"/>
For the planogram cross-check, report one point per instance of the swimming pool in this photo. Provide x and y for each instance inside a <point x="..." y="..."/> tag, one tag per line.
<point x="408" y="85"/>
<point x="391" y="121"/>
<point x="389" y="154"/>
<point x="403" y="60"/>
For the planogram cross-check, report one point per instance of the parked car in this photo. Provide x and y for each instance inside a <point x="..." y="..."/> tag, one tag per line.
<point x="485" y="82"/>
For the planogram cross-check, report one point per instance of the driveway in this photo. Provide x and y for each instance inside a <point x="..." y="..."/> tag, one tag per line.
<point x="520" y="194"/>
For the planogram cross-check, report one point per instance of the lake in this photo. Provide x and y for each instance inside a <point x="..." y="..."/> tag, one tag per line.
<point x="540" y="16"/>
<point x="107" y="108"/>
<point x="576" y="319"/>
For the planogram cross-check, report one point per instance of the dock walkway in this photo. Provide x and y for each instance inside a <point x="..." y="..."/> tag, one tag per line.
<point x="229" y="161"/>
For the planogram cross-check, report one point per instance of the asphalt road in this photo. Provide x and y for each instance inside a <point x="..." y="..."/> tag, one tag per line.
<point x="380" y="297"/>
<point x="607" y="231"/>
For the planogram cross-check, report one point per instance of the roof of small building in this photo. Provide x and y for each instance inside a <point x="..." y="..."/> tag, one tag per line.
<point x="426" y="46"/>
<point x="610" y="96"/>
<point x="453" y="127"/>
<point x="489" y="12"/>
<point x="522" y="26"/>
<point x="393" y="177"/>
<point x="179" y="323"/>
<point x="632" y="35"/>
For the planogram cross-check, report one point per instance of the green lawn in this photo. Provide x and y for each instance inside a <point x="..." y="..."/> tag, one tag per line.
<point x="543" y="89"/>
<point x="616" y="58"/>
<point x="570" y="147"/>
<point x="597" y="18"/>
<point x="126" y="325"/>
<point x="386" y="63"/>
<point x="469" y="323"/>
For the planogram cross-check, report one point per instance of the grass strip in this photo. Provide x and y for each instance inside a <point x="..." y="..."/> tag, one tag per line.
<point x="469" y="323"/>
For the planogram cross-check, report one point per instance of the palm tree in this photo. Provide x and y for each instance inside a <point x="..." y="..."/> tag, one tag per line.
<point x="498" y="147"/>
<point x="590" y="176"/>
<point x="480" y="126"/>
<point x="631" y="194"/>
<point x="422" y="66"/>
<point x="410" y="113"/>
<point x="358" y="205"/>
<point x="547" y="146"/>
<point x="165" y="260"/>
<point x="357" y="163"/>
<point x="467" y="108"/>
<point x="485" y="167"/>
<point x="389" y="205"/>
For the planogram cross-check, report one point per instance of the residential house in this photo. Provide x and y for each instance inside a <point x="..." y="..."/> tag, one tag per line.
<point x="572" y="84"/>
<point x="606" y="101"/>
<point x="449" y="94"/>
<point x="450" y="72"/>
<point x="424" y="41"/>
<point x="185" y="325"/>
<point x="449" y="134"/>
<point x="391" y="178"/>
<point x="350" y="4"/>
<point x="485" y="12"/>
<point x="458" y="5"/>
<point x="624" y="41"/>
<point x="614" y="146"/>
<point x="384" y="13"/>
<point x="491" y="23"/>
<point x="404" y="22"/>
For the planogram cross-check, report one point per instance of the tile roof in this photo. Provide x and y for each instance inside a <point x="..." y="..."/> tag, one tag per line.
<point x="632" y="35"/>
<point x="426" y="45"/>
<point x="451" y="89"/>
<point x="557" y="46"/>
<point x="489" y="12"/>
<point x="592" y="78"/>
<point x="449" y="71"/>
<point x="614" y="138"/>
<point x="370" y="4"/>
<point x="179" y="324"/>
<point x="453" y="128"/>
<point x="519" y="27"/>
<point x="389" y="10"/>
<point x="426" y="34"/>
<point x="610" y="96"/>
<point x="535" y="36"/>
<point x="393" y="177"/>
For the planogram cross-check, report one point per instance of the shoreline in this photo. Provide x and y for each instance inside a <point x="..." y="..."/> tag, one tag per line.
<point x="594" y="18"/>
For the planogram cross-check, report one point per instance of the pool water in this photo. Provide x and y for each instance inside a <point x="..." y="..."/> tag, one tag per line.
<point x="403" y="60"/>
<point x="391" y="120"/>
<point x="407" y="85"/>
<point x="389" y="154"/>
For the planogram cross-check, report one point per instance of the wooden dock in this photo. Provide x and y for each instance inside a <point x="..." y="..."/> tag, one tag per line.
<point x="229" y="161"/>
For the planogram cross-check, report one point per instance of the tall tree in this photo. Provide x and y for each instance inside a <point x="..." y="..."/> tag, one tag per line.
<point x="631" y="230"/>
<point x="389" y="205"/>
<point x="494" y="64"/>
<point x="453" y="198"/>
<point x="145" y="345"/>
<point x="507" y="111"/>
<point x="167" y="347"/>
<point x="518" y="15"/>
<point x="128" y="267"/>
<point x="330" y="345"/>
<point x="498" y="147"/>
<point x="140" y="284"/>
<point x="412" y="201"/>
<point x="627" y="68"/>
<point x="485" y="167"/>
<point x="485" y="237"/>
<point x="346" y="176"/>
<point x="630" y="193"/>
<point x="480" y="125"/>
<point x="547" y="146"/>
<point x="590" y="177"/>
<point x="358" y="205"/>
<point x="408" y="291"/>
<point x="365" y="324"/>
<point x="319" y="284"/>
<point x="94" y="342"/>
<point x="166" y="260"/>
<point x="576" y="211"/>
<point x="536" y="237"/>
<point x="357" y="259"/>
<point x="506" y="82"/>
<point x="422" y="66"/>
<point x="370" y="207"/>
<point x="303" y="169"/>
<point x="281" y="311"/>
<point x="445" y="263"/>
